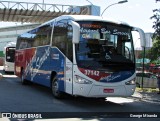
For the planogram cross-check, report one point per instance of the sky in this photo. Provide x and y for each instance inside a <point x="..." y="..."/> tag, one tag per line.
<point x="135" y="12"/>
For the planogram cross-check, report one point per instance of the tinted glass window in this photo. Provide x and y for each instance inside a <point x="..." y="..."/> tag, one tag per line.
<point x="60" y="35"/>
<point x="62" y="38"/>
<point x="105" y="46"/>
<point x="10" y="54"/>
<point x="38" y="37"/>
<point x="42" y="36"/>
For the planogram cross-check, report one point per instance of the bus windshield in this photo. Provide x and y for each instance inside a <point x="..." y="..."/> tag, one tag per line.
<point x="10" y="53"/>
<point x="105" y="46"/>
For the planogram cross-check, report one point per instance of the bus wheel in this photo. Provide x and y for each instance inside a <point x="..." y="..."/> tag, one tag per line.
<point x="23" y="81"/>
<point x="56" y="93"/>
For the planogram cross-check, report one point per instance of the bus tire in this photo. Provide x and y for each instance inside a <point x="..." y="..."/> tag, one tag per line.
<point x="23" y="81"/>
<point x="54" y="86"/>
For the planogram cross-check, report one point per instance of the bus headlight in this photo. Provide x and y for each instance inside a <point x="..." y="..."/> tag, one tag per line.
<point x="131" y="82"/>
<point x="81" y="80"/>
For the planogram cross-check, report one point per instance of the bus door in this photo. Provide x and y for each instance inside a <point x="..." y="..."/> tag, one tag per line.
<point x="69" y="60"/>
<point x="69" y="76"/>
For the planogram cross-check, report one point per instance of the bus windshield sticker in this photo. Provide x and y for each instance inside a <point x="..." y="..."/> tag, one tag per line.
<point x="107" y="56"/>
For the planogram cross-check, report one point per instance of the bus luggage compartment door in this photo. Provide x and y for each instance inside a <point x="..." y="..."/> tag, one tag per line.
<point x="69" y="77"/>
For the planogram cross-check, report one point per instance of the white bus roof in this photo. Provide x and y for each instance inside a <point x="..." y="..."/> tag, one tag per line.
<point x="87" y="18"/>
<point x="10" y="44"/>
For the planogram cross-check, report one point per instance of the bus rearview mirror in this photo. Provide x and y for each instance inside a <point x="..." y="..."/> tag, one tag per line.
<point x="142" y="36"/>
<point x="76" y="31"/>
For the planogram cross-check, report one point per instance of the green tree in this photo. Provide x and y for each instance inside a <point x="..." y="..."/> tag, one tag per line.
<point x="155" y="50"/>
<point x="156" y="23"/>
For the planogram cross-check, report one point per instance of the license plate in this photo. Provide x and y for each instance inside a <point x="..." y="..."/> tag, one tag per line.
<point x="108" y="90"/>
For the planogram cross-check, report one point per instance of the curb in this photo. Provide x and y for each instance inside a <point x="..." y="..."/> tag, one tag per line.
<point x="143" y="97"/>
<point x="154" y="98"/>
<point x="137" y="95"/>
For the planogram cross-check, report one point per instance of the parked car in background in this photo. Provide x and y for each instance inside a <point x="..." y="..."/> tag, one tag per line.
<point x="149" y="80"/>
<point x="139" y="69"/>
<point x="154" y="69"/>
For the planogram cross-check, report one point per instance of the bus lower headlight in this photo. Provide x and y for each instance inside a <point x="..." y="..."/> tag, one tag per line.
<point x="131" y="82"/>
<point x="81" y="80"/>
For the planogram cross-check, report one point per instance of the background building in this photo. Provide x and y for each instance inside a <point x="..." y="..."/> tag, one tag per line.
<point x="86" y="10"/>
<point x="10" y="34"/>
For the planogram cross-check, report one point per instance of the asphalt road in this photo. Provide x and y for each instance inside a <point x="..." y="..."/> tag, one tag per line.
<point x="15" y="97"/>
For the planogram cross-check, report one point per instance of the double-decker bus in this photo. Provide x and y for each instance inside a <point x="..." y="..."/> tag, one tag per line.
<point x="9" y="55"/>
<point x="79" y="55"/>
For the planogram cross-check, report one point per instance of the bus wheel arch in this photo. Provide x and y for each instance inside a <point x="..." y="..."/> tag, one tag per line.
<point x="23" y="81"/>
<point x="54" y="86"/>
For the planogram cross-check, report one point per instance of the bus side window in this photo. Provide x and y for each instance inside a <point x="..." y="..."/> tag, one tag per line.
<point x="41" y="36"/>
<point x="22" y="41"/>
<point x="45" y="34"/>
<point x="18" y="43"/>
<point x="60" y="36"/>
<point x="69" y="45"/>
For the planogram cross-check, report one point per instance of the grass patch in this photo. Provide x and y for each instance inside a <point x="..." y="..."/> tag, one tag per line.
<point x="146" y="89"/>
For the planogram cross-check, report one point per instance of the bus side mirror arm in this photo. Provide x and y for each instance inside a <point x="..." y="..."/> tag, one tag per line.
<point x="76" y="32"/>
<point x="142" y="36"/>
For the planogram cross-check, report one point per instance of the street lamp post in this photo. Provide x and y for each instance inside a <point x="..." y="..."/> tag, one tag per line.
<point x="16" y="29"/>
<point x="120" y="2"/>
<point x="43" y="4"/>
<point x="143" y="66"/>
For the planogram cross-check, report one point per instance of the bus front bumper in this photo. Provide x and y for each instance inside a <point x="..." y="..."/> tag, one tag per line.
<point x="104" y="91"/>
